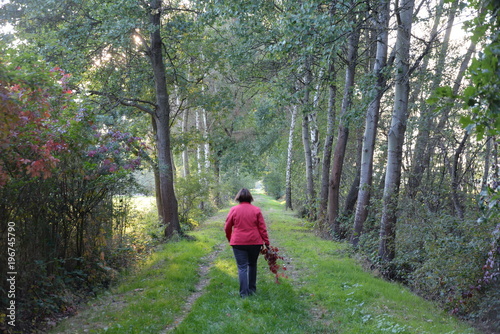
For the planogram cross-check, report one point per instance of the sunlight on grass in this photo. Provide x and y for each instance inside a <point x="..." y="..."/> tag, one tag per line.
<point x="353" y="300"/>
<point x="226" y="266"/>
<point x="143" y="203"/>
<point x="327" y="291"/>
<point x="147" y="301"/>
<point x="276" y="308"/>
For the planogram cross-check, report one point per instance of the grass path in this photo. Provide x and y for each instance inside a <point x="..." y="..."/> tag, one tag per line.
<point x="192" y="287"/>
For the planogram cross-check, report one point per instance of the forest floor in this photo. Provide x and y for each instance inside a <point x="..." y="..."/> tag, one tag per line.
<point x="191" y="286"/>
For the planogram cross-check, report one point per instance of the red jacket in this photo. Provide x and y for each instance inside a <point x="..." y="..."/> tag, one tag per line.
<point x="245" y="225"/>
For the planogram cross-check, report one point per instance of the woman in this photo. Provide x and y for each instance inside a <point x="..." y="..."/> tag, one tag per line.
<point x="246" y="232"/>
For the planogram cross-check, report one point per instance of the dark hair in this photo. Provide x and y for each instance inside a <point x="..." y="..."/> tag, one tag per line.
<point x="244" y="196"/>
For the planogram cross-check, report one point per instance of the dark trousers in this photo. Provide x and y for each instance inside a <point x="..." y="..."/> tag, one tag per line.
<point x="246" y="259"/>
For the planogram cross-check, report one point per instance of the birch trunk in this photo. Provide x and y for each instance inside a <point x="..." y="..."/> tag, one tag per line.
<point x="185" y="152"/>
<point x="314" y="135"/>
<point x="288" y="180"/>
<point x="313" y="122"/>
<point x="206" y="146"/>
<point x="203" y="149"/>
<point x="199" y="148"/>
<point x="306" y="141"/>
<point x="371" y="123"/>
<point x="396" y="133"/>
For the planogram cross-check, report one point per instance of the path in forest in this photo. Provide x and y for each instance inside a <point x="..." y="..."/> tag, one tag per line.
<point x="192" y="287"/>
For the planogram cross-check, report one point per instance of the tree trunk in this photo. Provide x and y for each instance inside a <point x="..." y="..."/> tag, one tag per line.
<point x="455" y="179"/>
<point x="306" y="140"/>
<point x="199" y="149"/>
<point x="343" y="133"/>
<point x="417" y="88"/>
<point x="396" y="133"/>
<point x="371" y="123"/>
<point x="313" y="122"/>
<point x="216" y="168"/>
<point x="352" y="196"/>
<point x="185" y="152"/>
<point x="456" y="85"/>
<point x="330" y="128"/>
<point x="495" y="166"/>
<point x="162" y="120"/>
<point x="156" y="172"/>
<point x="327" y="149"/>
<point x="203" y="149"/>
<point x="487" y="162"/>
<point x="288" y="180"/>
<point x="206" y="146"/>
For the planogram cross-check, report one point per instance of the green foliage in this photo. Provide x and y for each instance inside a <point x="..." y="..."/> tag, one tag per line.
<point x="193" y="194"/>
<point x="483" y="101"/>
<point x="274" y="178"/>
<point x="63" y="211"/>
<point x="274" y="184"/>
<point x="137" y="230"/>
<point x="233" y="182"/>
<point x="435" y="248"/>
<point x="481" y="96"/>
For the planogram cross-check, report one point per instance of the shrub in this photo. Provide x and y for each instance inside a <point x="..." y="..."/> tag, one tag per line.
<point x="193" y="195"/>
<point x="274" y="184"/>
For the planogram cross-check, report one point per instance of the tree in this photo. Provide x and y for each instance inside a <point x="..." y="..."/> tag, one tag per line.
<point x="372" y="117"/>
<point x="483" y="102"/>
<point x="481" y="96"/>
<point x="331" y="76"/>
<point x="343" y="130"/>
<point x="161" y="117"/>
<point x="397" y="130"/>
<point x="327" y="147"/>
<point x="306" y="139"/>
<point x="423" y="145"/>
<point x="288" y="186"/>
<point x="120" y="43"/>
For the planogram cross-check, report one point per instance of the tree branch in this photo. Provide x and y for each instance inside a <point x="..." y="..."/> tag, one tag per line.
<point x="169" y="8"/>
<point x="428" y="46"/>
<point x="136" y="103"/>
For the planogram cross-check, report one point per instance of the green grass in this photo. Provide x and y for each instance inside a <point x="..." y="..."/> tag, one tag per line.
<point x="148" y="300"/>
<point x="356" y="301"/>
<point x="277" y="308"/>
<point x="326" y="291"/>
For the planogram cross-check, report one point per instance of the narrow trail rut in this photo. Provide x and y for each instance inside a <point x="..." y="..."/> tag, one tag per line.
<point x="204" y="269"/>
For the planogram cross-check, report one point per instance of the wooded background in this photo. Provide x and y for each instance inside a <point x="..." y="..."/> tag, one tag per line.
<point x="376" y="121"/>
